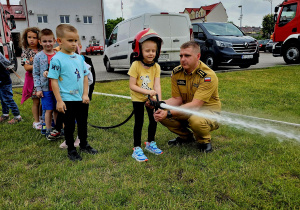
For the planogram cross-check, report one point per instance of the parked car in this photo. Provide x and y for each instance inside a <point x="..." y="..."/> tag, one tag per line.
<point x="94" y="49"/>
<point x="262" y="44"/>
<point x="269" y="46"/>
<point x="174" y="29"/>
<point x="224" y="44"/>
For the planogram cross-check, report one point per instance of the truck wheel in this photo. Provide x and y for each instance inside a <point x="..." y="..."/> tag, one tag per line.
<point x="291" y="53"/>
<point x="244" y="66"/>
<point x="211" y="62"/>
<point x="108" y="67"/>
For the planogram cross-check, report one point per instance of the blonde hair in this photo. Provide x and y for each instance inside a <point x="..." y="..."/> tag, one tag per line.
<point x="62" y="28"/>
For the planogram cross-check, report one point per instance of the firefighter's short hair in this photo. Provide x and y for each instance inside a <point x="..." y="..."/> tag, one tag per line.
<point x="62" y="28"/>
<point x="191" y="44"/>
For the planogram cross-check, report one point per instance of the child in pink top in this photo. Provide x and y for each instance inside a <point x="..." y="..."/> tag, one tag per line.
<point x="31" y="47"/>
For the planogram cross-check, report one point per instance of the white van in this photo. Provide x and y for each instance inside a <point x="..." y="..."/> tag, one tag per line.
<point x="174" y="29"/>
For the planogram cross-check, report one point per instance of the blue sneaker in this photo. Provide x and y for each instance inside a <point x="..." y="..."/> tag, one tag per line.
<point x="43" y="130"/>
<point x="50" y="137"/>
<point x="139" y="155"/>
<point x="151" y="147"/>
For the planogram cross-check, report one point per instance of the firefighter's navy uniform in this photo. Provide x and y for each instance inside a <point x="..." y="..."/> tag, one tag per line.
<point x="201" y="84"/>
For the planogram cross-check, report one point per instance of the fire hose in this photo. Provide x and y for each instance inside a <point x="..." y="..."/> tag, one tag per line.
<point x="155" y="104"/>
<point x="232" y="119"/>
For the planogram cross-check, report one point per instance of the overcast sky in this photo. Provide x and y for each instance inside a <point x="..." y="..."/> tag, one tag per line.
<point x="253" y="10"/>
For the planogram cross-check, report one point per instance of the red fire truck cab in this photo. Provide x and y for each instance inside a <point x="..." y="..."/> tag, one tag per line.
<point x="94" y="49"/>
<point x="7" y="23"/>
<point x="287" y="31"/>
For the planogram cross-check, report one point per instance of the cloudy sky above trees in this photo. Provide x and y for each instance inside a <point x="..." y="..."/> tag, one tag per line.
<point x="253" y="10"/>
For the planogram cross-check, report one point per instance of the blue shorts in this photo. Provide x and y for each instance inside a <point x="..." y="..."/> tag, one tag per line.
<point x="48" y="101"/>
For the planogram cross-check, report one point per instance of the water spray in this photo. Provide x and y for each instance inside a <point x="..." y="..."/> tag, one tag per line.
<point x="258" y="125"/>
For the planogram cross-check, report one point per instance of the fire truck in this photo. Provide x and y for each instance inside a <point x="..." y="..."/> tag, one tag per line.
<point x="7" y="23"/>
<point x="287" y="31"/>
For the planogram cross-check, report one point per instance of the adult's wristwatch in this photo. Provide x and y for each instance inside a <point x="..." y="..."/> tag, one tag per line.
<point x="169" y="114"/>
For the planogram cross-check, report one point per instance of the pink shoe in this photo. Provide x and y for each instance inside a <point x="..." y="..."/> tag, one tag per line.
<point x="37" y="125"/>
<point x="77" y="141"/>
<point x="63" y="145"/>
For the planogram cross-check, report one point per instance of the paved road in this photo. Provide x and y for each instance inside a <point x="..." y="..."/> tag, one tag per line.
<point x="265" y="60"/>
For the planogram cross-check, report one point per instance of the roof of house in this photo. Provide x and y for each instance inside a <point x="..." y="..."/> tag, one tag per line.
<point x="209" y="7"/>
<point x="190" y="9"/>
<point x="15" y="10"/>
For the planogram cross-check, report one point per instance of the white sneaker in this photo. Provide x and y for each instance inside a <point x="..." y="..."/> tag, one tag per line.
<point x="37" y="125"/>
<point x="77" y="141"/>
<point x="63" y="145"/>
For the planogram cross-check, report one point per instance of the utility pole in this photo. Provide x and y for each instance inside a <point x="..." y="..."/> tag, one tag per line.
<point x="271" y="4"/>
<point x="122" y="8"/>
<point x="241" y="16"/>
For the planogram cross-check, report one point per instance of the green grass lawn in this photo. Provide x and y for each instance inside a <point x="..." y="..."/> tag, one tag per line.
<point x="246" y="170"/>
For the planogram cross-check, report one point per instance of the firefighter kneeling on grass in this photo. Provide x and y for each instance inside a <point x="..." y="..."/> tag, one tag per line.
<point x="194" y="87"/>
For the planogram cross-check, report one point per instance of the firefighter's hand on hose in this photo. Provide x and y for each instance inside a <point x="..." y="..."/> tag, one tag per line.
<point x="160" y="115"/>
<point x="148" y="104"/>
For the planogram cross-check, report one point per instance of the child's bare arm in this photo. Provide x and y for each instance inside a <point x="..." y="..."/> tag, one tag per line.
<point x="28" y="67"/>
<point x="157" y="87"/>
<point x="60" y="106"/>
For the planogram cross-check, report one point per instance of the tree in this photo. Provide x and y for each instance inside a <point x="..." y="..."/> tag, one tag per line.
<point x="110" y="25"/>
<point x="268" y="25"/>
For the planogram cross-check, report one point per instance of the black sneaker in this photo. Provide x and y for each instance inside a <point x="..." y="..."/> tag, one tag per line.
<point x="205" y="147"/>
<point x="179" y="141"/>
<point x="73" y="155"/>
<point x="88" y="149"/>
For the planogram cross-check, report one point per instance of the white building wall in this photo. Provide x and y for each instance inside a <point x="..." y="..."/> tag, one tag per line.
<point x="218" y="14"/>
<point x="20" y="26"/>
<point x="74" y="8"/>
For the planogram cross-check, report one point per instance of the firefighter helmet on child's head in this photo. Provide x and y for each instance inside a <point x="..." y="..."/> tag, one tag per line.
<point x="146" y="34"/>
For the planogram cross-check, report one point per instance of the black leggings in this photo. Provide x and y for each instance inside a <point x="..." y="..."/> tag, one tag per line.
<point x="138" y="108"/>
<point x="76" y="110"/>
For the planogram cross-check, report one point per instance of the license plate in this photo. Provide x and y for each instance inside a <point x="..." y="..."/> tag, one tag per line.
<point x="247" y="56"/>
<point x="164" y="57"/>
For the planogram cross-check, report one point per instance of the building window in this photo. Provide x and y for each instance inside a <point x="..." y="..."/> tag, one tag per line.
<point x="42" y="18"/>
<point x="64" y="19"/>
<point x="87" y="19"/>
